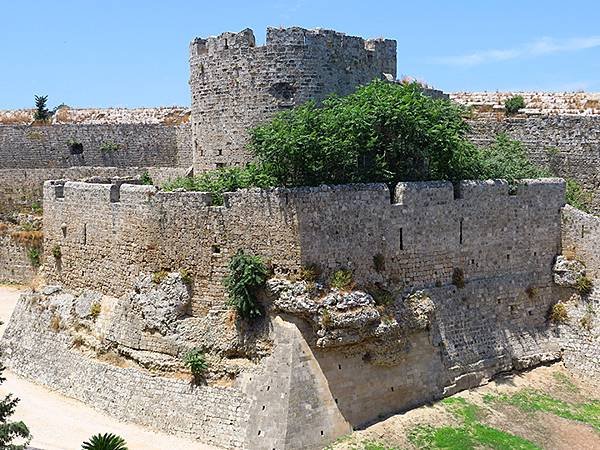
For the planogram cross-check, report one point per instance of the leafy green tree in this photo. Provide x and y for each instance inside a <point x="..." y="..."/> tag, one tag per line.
<point x="382" y="132"/>
<point x="11" y="431"/>
<point x="41" y="110"/>
<point x="107" y="441"/>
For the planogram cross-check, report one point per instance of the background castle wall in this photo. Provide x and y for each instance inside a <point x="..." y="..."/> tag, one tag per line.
<point x="569" y="146"/>
<point x="24" y="146"/>
<point x="236" y="85"/>
<point x="422" y="240"/>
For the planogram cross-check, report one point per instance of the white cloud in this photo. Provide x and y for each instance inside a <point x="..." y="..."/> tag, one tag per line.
<point x="542" y="46"/>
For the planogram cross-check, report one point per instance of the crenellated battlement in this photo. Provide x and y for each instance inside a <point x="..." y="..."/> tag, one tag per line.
<point x="331" y="40"/>
<point x="104" y="227"/>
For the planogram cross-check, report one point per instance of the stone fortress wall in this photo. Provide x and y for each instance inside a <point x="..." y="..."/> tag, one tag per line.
<point x="423" y="234"/>
<point x="235" y="84"/>
<point x="561" y="131"/>
<point x="493" y="319"/>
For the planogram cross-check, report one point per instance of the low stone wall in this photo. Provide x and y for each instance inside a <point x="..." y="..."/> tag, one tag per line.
<point x="22" y="188"/>
<point x="15" y="264"/>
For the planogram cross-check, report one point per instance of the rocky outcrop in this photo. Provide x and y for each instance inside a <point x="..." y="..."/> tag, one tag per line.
<point x="344" y="318"/>
<point x="567" y="271"/>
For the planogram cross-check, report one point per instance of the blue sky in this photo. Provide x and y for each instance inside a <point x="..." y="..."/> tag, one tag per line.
<point x="135" y="53"/>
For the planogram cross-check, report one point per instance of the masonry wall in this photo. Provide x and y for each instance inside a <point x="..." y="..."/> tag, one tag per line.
<point x="579" y="335"/>
<point x="236" y="85"/>
<point x="15" y="265"/>
<point x="422" y="238"/>
<point x="138" y="145"/>
<point x="21" y="188"/>
<point x="569" y="146"/>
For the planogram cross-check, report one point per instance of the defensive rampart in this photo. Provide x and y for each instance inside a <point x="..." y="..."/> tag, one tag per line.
<point x="468" y="273"/>
<point x="421" y="237"/>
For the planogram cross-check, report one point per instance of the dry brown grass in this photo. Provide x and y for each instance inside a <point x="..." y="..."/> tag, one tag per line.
<point x="29" y="238"/>
<point x="176" y="118"/>
<point x="24" y="117"/>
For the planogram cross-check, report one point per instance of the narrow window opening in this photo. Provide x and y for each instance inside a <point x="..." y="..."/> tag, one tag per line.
<point x="321" y="432"/>
<point x="582" y="230"/>
<point x="263" y="408"/>
<point x="259" y="432"/>
<point x="339" y="366"/>
<point x="392" y="388"/>
<point x="508" y="256"/>
<point x="84" y="233"/>
<point x="461" y="232"/>
<point x="401" y="240"/>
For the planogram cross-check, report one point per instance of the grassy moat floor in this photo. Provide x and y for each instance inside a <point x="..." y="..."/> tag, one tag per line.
<point x="546" y="408"/>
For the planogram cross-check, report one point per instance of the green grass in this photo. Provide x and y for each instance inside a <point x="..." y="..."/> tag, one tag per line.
<point x="565" y="382"/>
<point x="470" y="436"/>
<point x="530" y="400"/>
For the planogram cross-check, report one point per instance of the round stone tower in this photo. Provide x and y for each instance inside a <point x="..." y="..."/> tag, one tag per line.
<point x="235" y="85"/>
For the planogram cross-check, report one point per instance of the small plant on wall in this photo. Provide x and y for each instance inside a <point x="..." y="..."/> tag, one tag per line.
<point x="109" y="147"/>
<point x="195" y="360"/>
<point x="56" y="251"/>
<point x="35" y="257"/>
<point x="514" y="104"/>
<point x="247" y="274"/>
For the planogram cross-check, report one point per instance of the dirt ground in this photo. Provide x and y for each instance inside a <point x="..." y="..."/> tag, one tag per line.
<point x="545" y="430"/>
<point x="60" y="423"/>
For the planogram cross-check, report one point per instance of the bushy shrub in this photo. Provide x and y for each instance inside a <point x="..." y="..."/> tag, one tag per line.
<point x="11" y="431"/>
<point x="107" y="441"/>
<point x="223" y="180"/>
<point x="196" y="362"/>
<point x="577" y="197"/>
<point x="247" y="274"/>
<point x="514" y="104"/>
<point x="341" y="279"/>
<point x="505" y="158"/>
